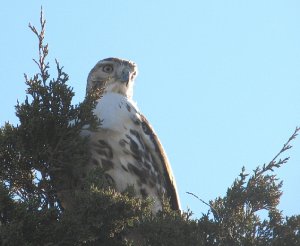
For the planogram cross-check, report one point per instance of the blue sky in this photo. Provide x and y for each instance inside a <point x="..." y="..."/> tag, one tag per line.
<point x="218" y="80"/>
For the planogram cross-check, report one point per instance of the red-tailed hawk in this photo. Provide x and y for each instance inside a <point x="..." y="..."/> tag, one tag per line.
<point x="125" y="144"/>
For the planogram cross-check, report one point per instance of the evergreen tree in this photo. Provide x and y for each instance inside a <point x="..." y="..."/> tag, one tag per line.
<point x="41" y="161"/>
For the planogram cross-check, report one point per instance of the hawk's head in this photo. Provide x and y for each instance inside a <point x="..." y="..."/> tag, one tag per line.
<point x="113" y="75"/>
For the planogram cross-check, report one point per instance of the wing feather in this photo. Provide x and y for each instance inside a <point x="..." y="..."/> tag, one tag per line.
<point x="165" y="167"/>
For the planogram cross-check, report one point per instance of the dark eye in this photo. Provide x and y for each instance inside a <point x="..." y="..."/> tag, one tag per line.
<point x="107" y="68"/>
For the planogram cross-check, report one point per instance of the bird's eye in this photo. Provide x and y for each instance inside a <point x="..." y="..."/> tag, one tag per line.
<point x="107" y="68"/>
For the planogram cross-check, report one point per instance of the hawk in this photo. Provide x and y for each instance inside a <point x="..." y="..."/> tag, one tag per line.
<point x="125" y="145"/>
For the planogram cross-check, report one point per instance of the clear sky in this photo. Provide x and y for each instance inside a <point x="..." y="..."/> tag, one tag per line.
<point x="218" y="80"/>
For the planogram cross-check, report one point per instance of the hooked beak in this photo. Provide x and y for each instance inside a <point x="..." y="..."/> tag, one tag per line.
<point x="125" y="76"/>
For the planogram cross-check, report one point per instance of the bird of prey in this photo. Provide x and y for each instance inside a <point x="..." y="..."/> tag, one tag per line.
<point x="125" y="145"/>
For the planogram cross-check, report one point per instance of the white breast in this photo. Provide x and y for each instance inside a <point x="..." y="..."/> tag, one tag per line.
<point x="134" y="156"/>
<point x="115" y="111"/>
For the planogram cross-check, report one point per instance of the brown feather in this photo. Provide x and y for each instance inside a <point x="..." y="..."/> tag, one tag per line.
<point x="165" y="167"/>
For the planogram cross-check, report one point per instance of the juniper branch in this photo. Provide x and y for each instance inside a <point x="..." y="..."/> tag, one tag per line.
<point x="43" y="48"/>
<point x="273" y="163"/>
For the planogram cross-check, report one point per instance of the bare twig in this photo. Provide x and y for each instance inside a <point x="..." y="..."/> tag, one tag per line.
<point x="207" y="204"/>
